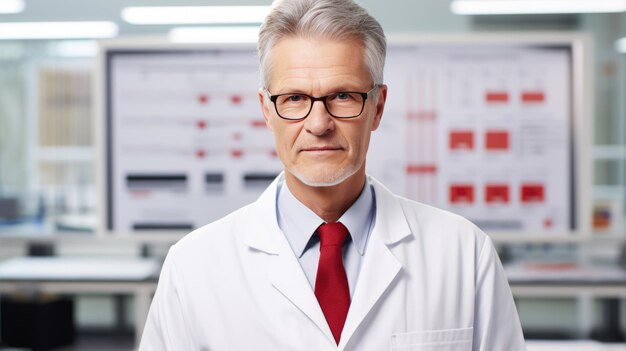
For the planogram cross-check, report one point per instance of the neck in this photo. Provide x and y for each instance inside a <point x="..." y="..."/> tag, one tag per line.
<point x="330" y="202"/>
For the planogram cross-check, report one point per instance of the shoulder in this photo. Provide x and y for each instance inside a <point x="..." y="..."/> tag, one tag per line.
<point x="431" y="226"/>
<point x="232" y="235"/>
<point x="213" y="237"/>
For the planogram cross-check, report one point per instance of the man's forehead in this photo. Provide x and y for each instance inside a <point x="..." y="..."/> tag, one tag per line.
<point x="301" y="60"/>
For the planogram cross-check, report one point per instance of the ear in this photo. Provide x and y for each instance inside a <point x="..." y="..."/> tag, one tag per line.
<point x="380" y="106"/>
<point x="265" y="107"/>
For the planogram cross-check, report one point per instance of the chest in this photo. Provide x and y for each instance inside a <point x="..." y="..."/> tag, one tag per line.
<point x="266" y="302"/>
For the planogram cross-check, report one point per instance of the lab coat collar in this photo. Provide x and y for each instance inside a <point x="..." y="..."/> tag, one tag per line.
<point x="299" y="223"/>
<point x="389" y="217"/>
<point x="263" y="216"/>
<point x="379" y="267"/>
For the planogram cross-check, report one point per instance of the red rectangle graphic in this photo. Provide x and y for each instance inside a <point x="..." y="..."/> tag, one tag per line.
<point x="532" y="193"/>
<point x="461" y="140"/>
<point x="461" y="193"/>
<point x="497" y="193"/>
<point x="497" y="140"/>
<point x="497" y="97"/>
<point x="533" y="97"/>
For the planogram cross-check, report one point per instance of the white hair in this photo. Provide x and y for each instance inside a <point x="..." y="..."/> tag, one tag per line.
<point x="327" y="19"/>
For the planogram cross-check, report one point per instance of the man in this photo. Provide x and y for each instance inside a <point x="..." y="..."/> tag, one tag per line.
<point x="327" y="258"/>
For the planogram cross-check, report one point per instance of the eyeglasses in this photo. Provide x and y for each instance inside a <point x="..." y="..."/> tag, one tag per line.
<point x="344" y="104"/>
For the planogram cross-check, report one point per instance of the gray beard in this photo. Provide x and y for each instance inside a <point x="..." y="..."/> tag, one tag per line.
<point x="327" y="179"/>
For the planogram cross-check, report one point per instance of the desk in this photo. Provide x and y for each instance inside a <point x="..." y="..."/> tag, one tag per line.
<point x="138" y="278"/>
<point x="61" y="275"/>
<point x="603" y="282"/>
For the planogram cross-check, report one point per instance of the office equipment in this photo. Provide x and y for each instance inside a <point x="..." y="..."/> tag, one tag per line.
<point x="494" y="128"/>
<point x="39" y="323"/>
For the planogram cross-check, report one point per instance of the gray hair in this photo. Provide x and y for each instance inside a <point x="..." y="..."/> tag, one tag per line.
<point x="328" y="19"/>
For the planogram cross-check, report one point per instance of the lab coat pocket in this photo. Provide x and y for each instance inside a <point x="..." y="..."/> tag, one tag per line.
<point x="434" y="340"/>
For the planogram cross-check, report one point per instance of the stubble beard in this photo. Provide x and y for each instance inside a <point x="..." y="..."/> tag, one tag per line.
<point x="324" y="178"/>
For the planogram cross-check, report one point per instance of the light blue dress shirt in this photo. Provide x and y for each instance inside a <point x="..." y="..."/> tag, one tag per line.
<point x="298" y="223"/>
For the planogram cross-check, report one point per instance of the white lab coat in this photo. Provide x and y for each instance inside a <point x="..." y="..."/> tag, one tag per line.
<point x="429" y="280"/>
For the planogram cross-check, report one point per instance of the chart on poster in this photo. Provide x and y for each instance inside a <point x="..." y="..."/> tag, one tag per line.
<point x="188" y="142"/>
<point x="485" y="130"/>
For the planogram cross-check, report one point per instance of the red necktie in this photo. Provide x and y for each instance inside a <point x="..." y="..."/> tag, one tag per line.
<point x="331" y="284"/>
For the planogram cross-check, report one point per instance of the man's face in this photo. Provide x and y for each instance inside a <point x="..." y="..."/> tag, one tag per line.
<point x="322" y="150"/>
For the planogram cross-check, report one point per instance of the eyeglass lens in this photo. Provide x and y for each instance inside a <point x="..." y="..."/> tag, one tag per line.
<point x="341" y="105"/>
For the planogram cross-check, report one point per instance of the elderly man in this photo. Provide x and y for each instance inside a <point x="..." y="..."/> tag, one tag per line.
<point x="327" y="258"/>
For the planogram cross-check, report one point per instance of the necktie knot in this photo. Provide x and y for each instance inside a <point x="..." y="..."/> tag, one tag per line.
<point x="332" y="234"/>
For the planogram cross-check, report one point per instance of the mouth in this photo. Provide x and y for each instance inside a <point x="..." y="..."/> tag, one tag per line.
<point x="321" y="149"/>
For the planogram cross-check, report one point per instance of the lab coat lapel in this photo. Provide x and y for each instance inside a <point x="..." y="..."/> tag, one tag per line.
<point x="379" y="267"/>
<point x="285" y="273"/>
<point x="287" y="277"/>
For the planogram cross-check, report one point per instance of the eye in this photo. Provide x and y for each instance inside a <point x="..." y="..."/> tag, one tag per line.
<point x="292" y="98"/>
<point x="342" y="96"/>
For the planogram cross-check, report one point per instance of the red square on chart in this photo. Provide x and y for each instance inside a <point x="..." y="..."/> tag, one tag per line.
<point x="461" y="140"/>
<point x="497" y="193"/>
<point x="461" y="193"/>
<point x="497" y="140"/>
<point x="532" y="193"/>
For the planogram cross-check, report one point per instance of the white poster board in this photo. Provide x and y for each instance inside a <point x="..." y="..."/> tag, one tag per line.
<point x="489" y="129"/>
<point x="187" y="143"/>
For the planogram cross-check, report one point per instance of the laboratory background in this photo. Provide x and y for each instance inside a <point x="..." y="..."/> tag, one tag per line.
<point x="124" y="125"/>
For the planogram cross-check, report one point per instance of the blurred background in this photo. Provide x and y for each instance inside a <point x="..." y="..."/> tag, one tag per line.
<point x="74" y="275"/>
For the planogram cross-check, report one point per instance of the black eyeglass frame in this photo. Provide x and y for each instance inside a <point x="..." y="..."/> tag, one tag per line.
<point x="323" y="99"/>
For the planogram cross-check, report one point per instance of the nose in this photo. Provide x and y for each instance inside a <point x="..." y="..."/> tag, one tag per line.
<point x="319" y="122"/>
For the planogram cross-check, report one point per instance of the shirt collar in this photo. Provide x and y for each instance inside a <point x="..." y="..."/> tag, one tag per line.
<point x="299" y="223"/>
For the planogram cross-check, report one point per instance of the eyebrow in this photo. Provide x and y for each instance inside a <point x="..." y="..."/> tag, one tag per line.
<point x="330" y="91"/>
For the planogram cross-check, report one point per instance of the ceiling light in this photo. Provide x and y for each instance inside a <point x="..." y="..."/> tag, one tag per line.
<point x="195" y="14"/>
<point x="11" y="6"/>
<point x="514" y="7"/>
<point x="57" y="30"/>
<point x="214" y="34"/>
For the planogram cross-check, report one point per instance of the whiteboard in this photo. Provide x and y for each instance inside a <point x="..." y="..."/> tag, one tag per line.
<point x="489" y="127"/>
<point x="187" y="142"/>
